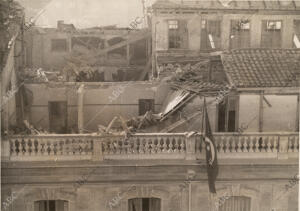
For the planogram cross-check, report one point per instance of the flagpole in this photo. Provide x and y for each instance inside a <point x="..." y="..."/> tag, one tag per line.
<point x="203" y="114"/>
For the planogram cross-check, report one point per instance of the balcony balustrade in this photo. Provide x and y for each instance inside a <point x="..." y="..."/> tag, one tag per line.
<point x="148" y="146"/>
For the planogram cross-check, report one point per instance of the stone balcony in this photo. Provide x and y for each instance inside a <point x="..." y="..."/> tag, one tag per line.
<point x="151" y="146"/>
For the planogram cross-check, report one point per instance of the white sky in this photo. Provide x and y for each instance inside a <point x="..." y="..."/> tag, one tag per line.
<point x="85" y="13"/>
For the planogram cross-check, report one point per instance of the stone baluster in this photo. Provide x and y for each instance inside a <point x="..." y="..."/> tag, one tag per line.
<point x="240" y="141"/>
<point x="235" y="141"/>
<point x="231" y="144"/>
<point x="51" y="147"/>
<point x="13" y="147"/>
<point x="39" y="147"/>
<point x="80" y="146"/>
<point x="171" y="150"/>
<point x="27" y="147"/>
<point x="147" y="146"/>
<point x="276" y="144"/>
<point x="60" y="147"/>
<point x="182" y="146"/>
<point x="256" y="144"/>
<point x="245" y="145"/>
<point x="269" y="144"/>
<point x="141" y="146"/>
<point x="159" y="146"/>
<point x="263" y="144"/>
<point x="226" y="145"/>
<point x="153" y="146"/>
<point x="164" y="146"/>
<point x="176" y="145"/>
<point x="221" y="145"/>
<point x="251" y="141"/>
<point x="76" y="146"/>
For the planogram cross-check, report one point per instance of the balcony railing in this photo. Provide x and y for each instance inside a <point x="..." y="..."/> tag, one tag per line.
<point x="148" y="146"/>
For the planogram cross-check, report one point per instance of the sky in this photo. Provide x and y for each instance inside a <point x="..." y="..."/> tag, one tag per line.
<point x="84" y="13"/>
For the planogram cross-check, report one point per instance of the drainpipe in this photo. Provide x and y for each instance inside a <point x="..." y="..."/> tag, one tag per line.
<point x="190" y="196"/>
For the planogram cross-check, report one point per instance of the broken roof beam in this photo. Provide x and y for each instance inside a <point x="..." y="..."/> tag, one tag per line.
<point x="131" y="39"/>
<point x="180" y="122"/>
<point x="177" y="107"/>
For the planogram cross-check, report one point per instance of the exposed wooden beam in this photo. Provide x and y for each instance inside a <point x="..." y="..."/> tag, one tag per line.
<point x="180" y="122"/>
<point x="131" y="39"/>
<point x="178" y="106"/>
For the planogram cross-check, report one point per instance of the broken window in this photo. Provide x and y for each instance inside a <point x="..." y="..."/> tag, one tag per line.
<point x="296" y="38"/>
<point x="51" y="205"/>
<point x="144" y="204"/>
<point x="119" y="53"/>
<point x="58" y="116"/>
<point x="59" y="45"/>
<point x="178" y="34"/>
<point x="271" y="34"/>
<point x="146" y="105"/>
<point x="210" y="35"/>
<point x="227" y="114"/>
<point x="240" y="34"/>
<point x="235" y="203"/>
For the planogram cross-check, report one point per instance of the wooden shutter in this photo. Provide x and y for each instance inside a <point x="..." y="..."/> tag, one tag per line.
<point x="155" y="204"/>
<point x="183" y="34"/>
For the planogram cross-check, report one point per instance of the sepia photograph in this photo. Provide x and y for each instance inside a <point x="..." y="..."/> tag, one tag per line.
<point x="150" y="105"/>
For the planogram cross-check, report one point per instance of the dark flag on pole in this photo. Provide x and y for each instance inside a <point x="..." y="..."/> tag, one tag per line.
<point x="211" y="151"/>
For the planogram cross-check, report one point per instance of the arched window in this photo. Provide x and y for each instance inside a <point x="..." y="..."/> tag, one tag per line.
<point x="144" y="204"/>
<point x="51" y="205"/>
<point x="235" y="203"/>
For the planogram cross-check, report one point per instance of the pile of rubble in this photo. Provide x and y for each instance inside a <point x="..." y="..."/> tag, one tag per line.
<point x="120" y="126"/>
<point x="39" y="75"/>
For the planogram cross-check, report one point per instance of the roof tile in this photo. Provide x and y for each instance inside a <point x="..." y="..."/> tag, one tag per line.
<point x="262" y="67"/>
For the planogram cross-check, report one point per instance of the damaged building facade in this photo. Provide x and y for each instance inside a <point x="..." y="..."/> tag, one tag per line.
<point x="73" y="142"/>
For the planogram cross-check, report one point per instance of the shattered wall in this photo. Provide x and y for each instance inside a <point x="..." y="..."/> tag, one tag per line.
<point x="102" y="102"/>
<point x="125" y="63"/>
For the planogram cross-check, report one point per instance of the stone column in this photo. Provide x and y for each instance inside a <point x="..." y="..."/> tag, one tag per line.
<point x="80" y="108"/>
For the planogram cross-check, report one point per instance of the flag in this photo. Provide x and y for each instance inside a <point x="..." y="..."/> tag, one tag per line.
<point x="211" y="151"/>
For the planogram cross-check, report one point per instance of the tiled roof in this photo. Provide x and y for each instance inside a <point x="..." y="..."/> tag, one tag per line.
<point x="233" y="4"/>
<point x="262" y="67"/>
